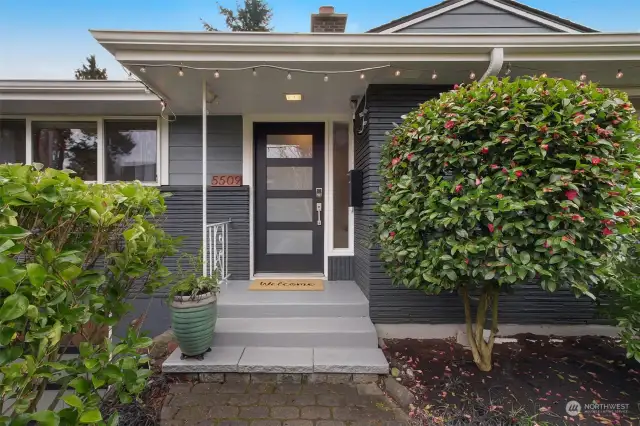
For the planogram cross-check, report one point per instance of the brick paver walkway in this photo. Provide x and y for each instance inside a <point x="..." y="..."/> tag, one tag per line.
<point x="270" y="404"/>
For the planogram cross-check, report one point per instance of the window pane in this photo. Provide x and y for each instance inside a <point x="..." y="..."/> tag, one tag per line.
<point x="12" y="141"/>
<point x="289" y="146"/>
<point x="289" y="242"/>
<point x="289" y="210"/>
<point x="289" y="178"/>
<point x="67" y="145"/>
<point x="340" y="185"/>
<point x="131" y="150"/>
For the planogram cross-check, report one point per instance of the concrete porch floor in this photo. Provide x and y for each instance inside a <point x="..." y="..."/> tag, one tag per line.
<point x="290" y="332"/>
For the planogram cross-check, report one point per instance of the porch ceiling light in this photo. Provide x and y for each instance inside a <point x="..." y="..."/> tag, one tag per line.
<point x="293" y="97"/>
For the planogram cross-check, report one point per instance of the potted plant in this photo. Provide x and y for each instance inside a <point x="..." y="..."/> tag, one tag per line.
<point x="193" y="305"/>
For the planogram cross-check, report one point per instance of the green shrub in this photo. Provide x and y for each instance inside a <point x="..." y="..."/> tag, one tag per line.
<point x="189" y="281"/>
<point x="499" y="183"/>
<point x="70" y="254"/>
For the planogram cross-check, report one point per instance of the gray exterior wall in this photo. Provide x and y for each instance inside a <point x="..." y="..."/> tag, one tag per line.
<point x="389" y="304"/>
<point x="184" y="219"/>
<point x="478" y="18"/>
<point x="224" y="148"/>
<point x="340" y="268"/>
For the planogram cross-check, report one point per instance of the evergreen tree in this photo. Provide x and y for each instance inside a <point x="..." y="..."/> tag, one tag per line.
<point x="254" y="16"/>
<point x="90" y="70"/>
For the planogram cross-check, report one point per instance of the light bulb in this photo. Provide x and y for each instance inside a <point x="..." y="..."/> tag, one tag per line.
<point x="146" y="90"/>
<point x="163" y="104"/>
<point x="326" y="78"/>
<point x="619" y="74"/>
<point x="543" y="75"/>
<point x="216" y="74"/>
<point x="143" y="69"/>
<point x="397" y="73"/>
<point x="508" y="70"/>
<point x="255" y="73"/>
<point x="180" y="72"/>
<point x="583" y="77"/>
<point x="289" y="76"/>
<point x="362" y="76"/>
<point x="434" y="76"/>
<point x="472" y="75"/>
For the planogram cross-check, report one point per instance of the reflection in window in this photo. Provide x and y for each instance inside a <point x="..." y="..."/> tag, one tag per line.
<point x="12" y="141"/>
<point x="289" y="146"/>
<point x="131" y="150"/>
<point x="340" y="185"/>
<point x="67" y="145"/>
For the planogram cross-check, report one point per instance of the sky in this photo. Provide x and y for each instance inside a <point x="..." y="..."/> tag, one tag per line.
<point x="49" y="39"/>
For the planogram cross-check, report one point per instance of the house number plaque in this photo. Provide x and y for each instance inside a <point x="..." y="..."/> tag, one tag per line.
<point x="226" y="180"/>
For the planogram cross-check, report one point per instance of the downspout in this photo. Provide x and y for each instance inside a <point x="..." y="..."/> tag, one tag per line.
<point x="205" y="248"/>
<point x="495" y="63"/>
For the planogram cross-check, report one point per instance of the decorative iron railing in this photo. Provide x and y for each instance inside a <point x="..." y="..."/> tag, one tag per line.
<point x="217" y="249"/>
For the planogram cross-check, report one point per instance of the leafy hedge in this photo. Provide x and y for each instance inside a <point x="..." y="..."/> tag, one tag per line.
<point x="70" y="254"/>
<point x="497" y="183"/>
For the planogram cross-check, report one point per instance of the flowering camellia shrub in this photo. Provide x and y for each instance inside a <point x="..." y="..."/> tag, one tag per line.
<point x="70" y="254"/>
<point x="502" y="182"/>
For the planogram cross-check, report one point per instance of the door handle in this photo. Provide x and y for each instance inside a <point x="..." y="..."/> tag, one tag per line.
<point x="319" y="210"/>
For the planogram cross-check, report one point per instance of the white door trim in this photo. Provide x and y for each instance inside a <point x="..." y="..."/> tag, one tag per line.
<point x="248" y="167"/>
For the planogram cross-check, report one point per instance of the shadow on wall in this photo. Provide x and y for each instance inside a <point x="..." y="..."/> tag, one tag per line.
<point x="157" y="319"/>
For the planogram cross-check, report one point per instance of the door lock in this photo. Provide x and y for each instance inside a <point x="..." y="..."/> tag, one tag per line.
<point x="319" y="210"/>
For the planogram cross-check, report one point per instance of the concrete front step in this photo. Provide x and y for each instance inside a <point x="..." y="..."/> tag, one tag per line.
<point x="296" y="332"/>
<point x="339" y="299"/>
<point x="305" y="360"/>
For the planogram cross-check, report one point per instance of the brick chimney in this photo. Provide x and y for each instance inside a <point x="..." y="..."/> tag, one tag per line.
<point x="328" y="21"/>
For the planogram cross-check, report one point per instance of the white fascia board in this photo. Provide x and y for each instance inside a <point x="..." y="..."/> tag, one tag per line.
<point x="74" y="90"/>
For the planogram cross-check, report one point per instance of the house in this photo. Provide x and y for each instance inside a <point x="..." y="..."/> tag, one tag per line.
<point x="282" y="119"/>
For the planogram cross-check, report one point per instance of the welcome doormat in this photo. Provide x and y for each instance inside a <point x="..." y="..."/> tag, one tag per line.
<point x="286" y="285"/>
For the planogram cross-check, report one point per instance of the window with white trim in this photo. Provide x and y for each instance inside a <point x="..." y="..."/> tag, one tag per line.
<point x="98" y="149"/>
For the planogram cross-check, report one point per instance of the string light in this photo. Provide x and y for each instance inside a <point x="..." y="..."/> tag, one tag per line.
<point x="397" y="73"/>
<point x="180" y="72"/>
<point x="472" y="75"/>
<point x="619" y="74"/>
<point x="289" y="76"/>
<point x="583" y="77"/>
<point x="216" y="74"/>
<point x="326" y="78"/>
<point x="163" y="104"/>
<point x="434" y="76"/>
<point x="362" y="76"/>
<point x="255" y="73"/>
<point x="508" y="70"/>
<point x="143" y="69"/>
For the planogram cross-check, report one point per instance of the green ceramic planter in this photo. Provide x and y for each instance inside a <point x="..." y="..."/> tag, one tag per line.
<point x="193" y="322"/>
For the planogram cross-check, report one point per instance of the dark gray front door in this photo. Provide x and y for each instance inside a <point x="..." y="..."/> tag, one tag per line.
<point x="289" y="197"/>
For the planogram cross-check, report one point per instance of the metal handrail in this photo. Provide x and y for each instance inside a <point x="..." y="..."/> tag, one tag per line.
<point x="217" y="249"/>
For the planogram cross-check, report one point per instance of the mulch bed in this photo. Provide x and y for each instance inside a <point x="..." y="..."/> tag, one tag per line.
<point x="531" y="382"/>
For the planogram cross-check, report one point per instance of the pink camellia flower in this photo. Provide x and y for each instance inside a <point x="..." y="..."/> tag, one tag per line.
<point x="546" y="244"/>
<point x="466" y="261"/>
<point x="571" y="195"/>
<point x="458" y="188"/>
<point x="620" y="213"/>
<point x="545" y="147"/>
<point x="491" y="227"/>
<point x="499" y="196"/>
<point x="606" y="232"/>
<point x="603" y="132"/>
<point x="519" y="173"/>
<point x="389" y="185"/>
<point x="579" y="118"/>
<point x="556" y="136"/>
<point x="395" y="161"/>
<point x="505" y="171"/>
<point x="504" y="139"/>
<point x="616" y="122"/>
<point x="544" y="129"/>
<point x="547" y="189"/>
<point x="450" y="124"/>
<point x="577" y="218"/>
<point x="484" y="150"/>
<point x="494" y="166"/>
<point x="478" y="181"/>
<point x="595" y="160"/>
<point x="420" y="114"/>
<point x="409" y="156"/>
<point x="392" y="234"/>
<point x="608" y="222"/>
<point x="456" y="86"/>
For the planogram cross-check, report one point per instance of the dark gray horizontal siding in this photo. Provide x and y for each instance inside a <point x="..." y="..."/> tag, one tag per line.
<point x="388" y="304"/>
<point x="224" y="148"/>
<point x="478" y="18"/>
<point x="340" y="268"/>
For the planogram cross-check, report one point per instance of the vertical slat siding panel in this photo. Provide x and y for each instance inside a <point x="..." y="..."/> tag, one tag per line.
<point x="341" y="268"/>
<point x="389" y="304"/>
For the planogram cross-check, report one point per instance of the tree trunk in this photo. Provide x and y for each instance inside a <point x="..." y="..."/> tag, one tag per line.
<point x="480" y="348"/>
